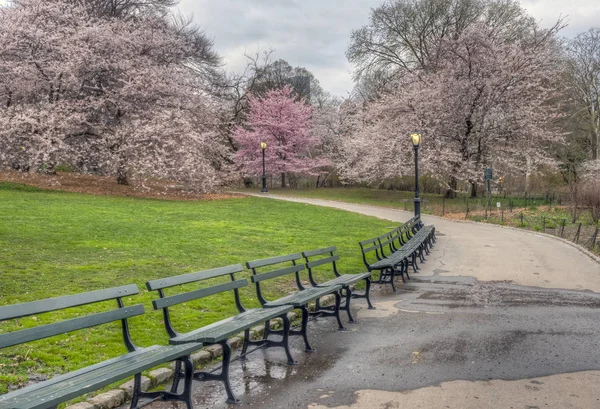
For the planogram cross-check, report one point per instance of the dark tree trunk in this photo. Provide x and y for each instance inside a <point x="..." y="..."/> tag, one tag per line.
<point x="122" y="178"/>
<point x="473" y="189"/>
<point x="283" y="179"/>
<point x="451" y="193"/>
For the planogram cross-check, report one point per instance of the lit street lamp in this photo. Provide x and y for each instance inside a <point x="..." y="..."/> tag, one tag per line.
<point x="415" y="138"/>
<point x="263" y="146"/>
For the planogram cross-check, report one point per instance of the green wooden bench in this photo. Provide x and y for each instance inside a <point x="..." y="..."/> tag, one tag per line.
<point x="218" y="332"/>
<point x="61" y="388"/>
<point x="298" y="299"/>
<point x="346" y="280"/>
<point x="392" y="253"/>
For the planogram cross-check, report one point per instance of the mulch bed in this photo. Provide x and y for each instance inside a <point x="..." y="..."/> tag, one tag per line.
<point x="108" y="186"/>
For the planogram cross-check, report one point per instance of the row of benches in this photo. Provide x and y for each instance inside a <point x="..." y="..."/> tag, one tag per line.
<point x="50" y="393"/>
<point x="394" y="252"/>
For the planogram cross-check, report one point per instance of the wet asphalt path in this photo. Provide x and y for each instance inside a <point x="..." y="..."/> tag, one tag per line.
<point x="532" y="315"/>
<point x="434" y="329"/>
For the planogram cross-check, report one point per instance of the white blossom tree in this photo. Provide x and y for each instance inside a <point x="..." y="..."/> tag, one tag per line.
<point x="123" y="96"/>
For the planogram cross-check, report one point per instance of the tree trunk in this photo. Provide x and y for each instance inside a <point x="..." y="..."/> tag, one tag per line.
<point x="595" y="144"/>
<point x="473" y="189"/>
<point x="451" y="193"/>
<point x="283" y="179"/>
<point x="122" y="178"/>
<point x="528" y="172"/>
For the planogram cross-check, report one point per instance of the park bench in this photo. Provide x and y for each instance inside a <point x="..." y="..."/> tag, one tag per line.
<point x="298" y="299"/>
<point x="218" y="332"/>
<point x="345" y="280"/>
<point x="398" y="249"/>
<point x="61" y="388"/>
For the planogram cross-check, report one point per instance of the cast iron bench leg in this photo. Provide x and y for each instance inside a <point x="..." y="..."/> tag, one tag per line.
<point x="338" y="302"/>
<point x="223" y="376"/>
<point x="185" y="395"/>
<point x="368" y="293"/>
<point x="305" y="315"/>
<point x="348" y="292"/>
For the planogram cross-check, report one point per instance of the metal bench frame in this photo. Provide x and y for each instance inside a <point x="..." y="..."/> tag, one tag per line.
<point x="222" y="329"/>
<point x="404" y="243"/>
<point x="313" y="293"/>
<point x="62" y="388"/>
<point x="345" y="280"/>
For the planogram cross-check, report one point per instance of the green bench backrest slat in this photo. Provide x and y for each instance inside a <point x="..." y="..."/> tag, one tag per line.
<point x="368" y="241"/>
<point x="59" y="303"/>
<point x="383" y="237"/>
<point x="383" y="243"/>
<point x="369" y="249"/>
<point x="273" y="260"/>
<point x="49" y="330"/>
<point x="318" y="252"/>
<point x="191" y="277"/>
<point x="322" y="261"/>
<point x="276" y="273"/>
<point x="193" y="295"/>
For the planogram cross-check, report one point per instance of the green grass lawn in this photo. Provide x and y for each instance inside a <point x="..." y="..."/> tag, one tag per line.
<point x="377" y="197"/>
<point x="54" y="244"/>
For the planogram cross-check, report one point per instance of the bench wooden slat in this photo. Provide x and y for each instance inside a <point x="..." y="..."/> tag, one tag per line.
<point x="193" y="295"/>
<point x="368" y="241"/>
<point x="303" y="297"/>
<point x="369" y="249"/>
<point x="345" y="279"/>
<point x="272" y="260"/>
<point x="318" y="252"/>
<point x="322" y="261"/>
<point x="58" y="303"/>
<point x="223" y="329"/>
<point x="191" y="277"/>
<point x="276" y="273"/>
<point x="49" y="330"/>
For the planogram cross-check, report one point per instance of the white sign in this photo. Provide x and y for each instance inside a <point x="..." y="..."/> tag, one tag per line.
<point x="498" y="205"/>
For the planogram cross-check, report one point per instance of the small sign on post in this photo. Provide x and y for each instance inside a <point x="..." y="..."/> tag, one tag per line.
<point x="498" y="205"/>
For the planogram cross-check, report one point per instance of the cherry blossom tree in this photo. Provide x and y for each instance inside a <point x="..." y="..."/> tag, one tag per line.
<point x="286" y="126"/>
<point x="484" y="101"/>
<point x="122" y="96"/>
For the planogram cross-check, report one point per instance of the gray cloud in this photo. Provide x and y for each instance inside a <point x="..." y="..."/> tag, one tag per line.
<point x="315" y="33"/>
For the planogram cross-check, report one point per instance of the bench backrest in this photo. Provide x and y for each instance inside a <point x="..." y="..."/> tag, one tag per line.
<point x="330" y="258"/>
<point x="121" y="313"/>
<point x="164" y="302"/>
<point x="372" y="246"/>
<point x="260" y="276"/>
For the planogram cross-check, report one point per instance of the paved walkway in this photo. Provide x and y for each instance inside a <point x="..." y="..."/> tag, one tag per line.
<point x="457" y="336"/>
<point x="492" y="253"/>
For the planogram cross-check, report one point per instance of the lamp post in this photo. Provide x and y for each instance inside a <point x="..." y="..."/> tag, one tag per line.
<point x="415" y="138"/>
<point x="263" y="146"/>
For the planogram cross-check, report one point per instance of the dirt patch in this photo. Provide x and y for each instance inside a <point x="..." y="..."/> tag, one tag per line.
<point x="108" y="186"/>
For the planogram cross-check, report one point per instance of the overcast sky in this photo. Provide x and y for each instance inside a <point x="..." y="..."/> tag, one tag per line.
<point x="314" y="33"/>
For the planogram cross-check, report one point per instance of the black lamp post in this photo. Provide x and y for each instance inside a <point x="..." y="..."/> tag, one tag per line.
<point x="415" y="138"/>
<point x="263" y="146"/>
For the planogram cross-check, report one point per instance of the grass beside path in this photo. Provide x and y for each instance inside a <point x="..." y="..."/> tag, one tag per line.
<point x="54" y="244"/>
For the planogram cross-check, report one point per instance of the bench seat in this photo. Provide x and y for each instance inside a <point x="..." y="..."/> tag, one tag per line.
<point x="223" y="329"/>
<point x="71" y="385"/>
<point x="345" y="280"/>
<point x="303" y="297"/>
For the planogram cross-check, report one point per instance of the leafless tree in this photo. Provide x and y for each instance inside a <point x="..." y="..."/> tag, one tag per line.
<point x="584" y="75"/>
<point x="403" y="35"/>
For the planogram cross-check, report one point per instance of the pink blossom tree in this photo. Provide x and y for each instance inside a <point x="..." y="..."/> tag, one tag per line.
<point x="286" y="126"/>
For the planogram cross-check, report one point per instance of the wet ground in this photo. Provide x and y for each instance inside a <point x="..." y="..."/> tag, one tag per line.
<point x="434" y="329"/>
